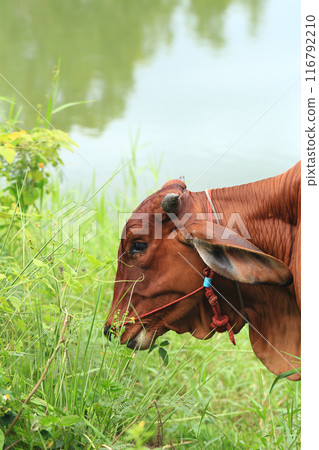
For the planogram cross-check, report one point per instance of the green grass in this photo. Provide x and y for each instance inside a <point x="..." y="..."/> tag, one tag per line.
<point x="97" y="394"/>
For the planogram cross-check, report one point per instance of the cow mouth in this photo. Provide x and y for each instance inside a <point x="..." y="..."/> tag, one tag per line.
<point x="141" y="341"/>
<point x="135" y="337"/>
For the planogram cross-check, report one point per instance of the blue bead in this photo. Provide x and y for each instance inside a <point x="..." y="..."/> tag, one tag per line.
<point x="207" y="282"/>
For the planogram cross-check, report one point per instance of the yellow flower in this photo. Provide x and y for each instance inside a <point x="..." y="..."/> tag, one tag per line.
<point x="14" y="135"/>
<point x="41" y="165"/>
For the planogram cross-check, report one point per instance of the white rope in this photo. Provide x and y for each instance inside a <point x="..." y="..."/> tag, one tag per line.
<point x="212" y="205"/>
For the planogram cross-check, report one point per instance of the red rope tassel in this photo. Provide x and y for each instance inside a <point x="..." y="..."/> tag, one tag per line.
<point x="219" y="322"/>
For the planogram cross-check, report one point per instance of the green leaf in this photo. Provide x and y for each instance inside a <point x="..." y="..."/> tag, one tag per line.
<point x="39" y="263"/>
<point x="8" y="154"/>
<point x="95" y="262"/>
<point x="2" y="439"/>
<point x="283" y="375"/>
<point x="49" y="420"/>
<point x="30" y="194"/>
<point x="152" y="348"/>
<point x="68" y="105"/>
<point x="16" y="302"/>
<point x="112" y="387"/>
<point x="6" y="99"/>
<point x="64" y="140"/>
<point x="163" y="354"/>
<point x="47" y="283"/>
<point x="67" y="421"/>
<point x="2" y="277"/>
<point x="37" y="175"/>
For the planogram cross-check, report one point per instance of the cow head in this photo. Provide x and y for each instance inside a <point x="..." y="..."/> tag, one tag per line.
<point x="165" y="246"/>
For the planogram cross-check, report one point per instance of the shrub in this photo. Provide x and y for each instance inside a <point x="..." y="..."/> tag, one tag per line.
<point x="26" y="158"/>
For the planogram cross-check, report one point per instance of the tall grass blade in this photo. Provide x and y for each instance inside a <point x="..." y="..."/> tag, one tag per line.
<point x="282" y="376"/>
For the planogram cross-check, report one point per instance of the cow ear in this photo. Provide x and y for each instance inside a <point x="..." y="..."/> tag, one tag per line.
<point x="233" y="257"/>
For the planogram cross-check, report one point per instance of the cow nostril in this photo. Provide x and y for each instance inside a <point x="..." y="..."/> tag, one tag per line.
<point x="108" y="331"/>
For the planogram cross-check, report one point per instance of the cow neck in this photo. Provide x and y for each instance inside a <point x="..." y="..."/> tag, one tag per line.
<point x="220" y="322"/>
<point x="212" y="214"/>
<point x="266" y="204"/>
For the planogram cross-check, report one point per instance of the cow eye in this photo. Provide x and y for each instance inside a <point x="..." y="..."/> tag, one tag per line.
<point x="138" y="247"/>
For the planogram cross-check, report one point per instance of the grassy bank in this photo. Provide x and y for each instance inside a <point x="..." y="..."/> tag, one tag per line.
<point x="96" y="392"/>
<point x="55" y="291"/>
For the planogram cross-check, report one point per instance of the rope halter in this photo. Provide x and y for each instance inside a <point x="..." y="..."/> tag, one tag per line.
<point x="220" y="323"/>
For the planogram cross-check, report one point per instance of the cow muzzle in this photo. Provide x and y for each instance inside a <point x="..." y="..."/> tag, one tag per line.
<point x="141" y="341"/>
<point x="108" y="332"/>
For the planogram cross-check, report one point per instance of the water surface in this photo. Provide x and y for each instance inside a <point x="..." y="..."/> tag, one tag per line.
<point x="210" y="86"/>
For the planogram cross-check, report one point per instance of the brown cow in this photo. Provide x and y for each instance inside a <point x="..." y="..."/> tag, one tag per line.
<point x="153" y="272"/>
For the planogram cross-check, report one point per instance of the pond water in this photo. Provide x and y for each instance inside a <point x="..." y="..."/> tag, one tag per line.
<point x="211" y="88"/>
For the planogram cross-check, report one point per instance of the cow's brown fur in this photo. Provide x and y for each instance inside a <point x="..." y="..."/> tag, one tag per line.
<point x="171" y="268"/>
